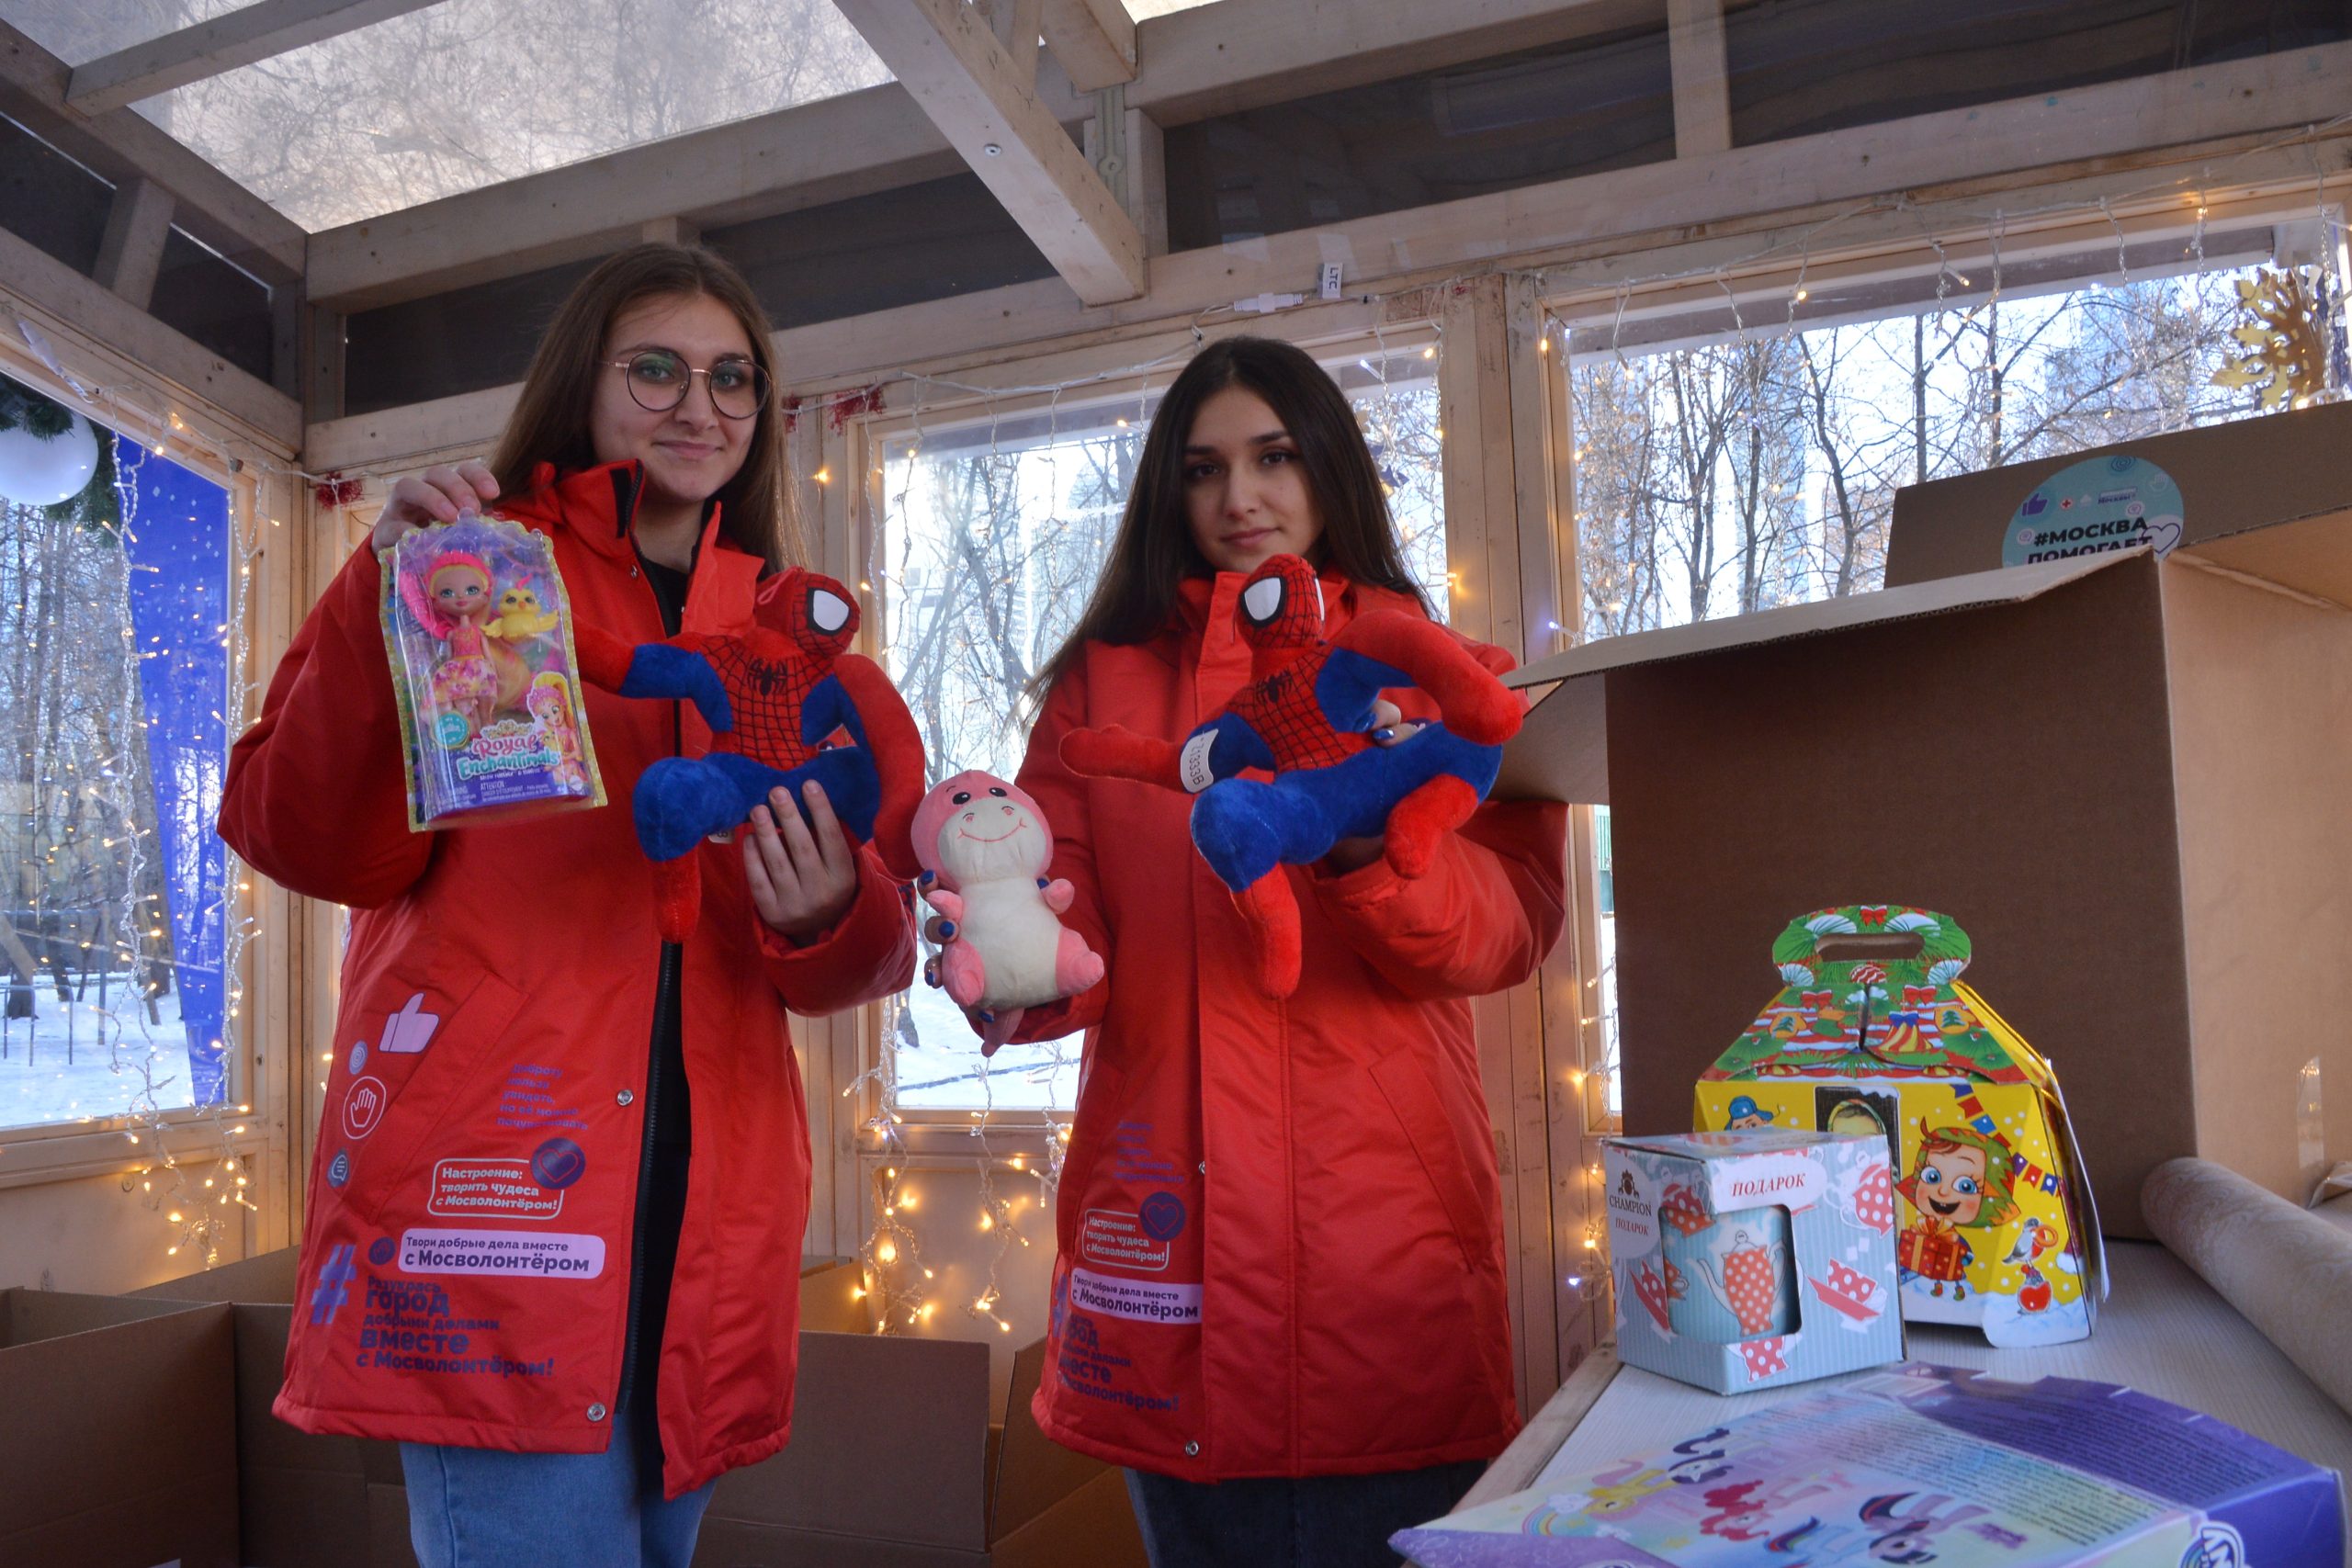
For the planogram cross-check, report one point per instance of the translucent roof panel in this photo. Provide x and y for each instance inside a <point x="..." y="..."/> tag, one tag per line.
<point x="1142" y="10"/>
<point x="469" y="93"/>
<point x="78" y="31"/>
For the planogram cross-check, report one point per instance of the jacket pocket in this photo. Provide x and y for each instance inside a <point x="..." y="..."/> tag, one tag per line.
<point x="1405" y="1084"/>
<point x="436" y="1090"/>
<point x="1099" y="1104"/>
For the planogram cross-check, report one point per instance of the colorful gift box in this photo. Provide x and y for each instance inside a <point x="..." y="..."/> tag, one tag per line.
<point x="1748" y="1258"/>
<point x="1873" y="1033"/>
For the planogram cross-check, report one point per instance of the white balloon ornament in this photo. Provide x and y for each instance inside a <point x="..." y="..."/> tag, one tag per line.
<point x="36" y="472"/>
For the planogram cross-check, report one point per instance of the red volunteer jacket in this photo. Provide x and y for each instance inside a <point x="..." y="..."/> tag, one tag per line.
<point x="468" y="1238"/>
<point x="1279" y="1228"/>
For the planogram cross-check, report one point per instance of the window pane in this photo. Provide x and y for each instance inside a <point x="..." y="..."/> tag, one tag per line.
<point x="470" y="93"/>
<point x="1738" y="473"/>
<point x="113" y="682"/>
<point x="993" y="534"/>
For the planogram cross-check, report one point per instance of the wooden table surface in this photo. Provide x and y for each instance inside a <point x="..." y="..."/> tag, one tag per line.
<point x="2162" y="1330"/>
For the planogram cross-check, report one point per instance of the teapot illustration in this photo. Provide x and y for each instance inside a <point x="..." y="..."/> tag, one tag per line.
<point x="1745" y="1264"/>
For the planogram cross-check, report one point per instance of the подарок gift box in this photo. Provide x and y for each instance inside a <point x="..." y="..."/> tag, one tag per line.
<point x="1745" y="1260"/>
<point x="1873" y="1031"/>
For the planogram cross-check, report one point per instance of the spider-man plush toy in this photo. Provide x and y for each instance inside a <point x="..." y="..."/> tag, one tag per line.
<point x="1304" y="717"/>
<point x="786" y="702"/>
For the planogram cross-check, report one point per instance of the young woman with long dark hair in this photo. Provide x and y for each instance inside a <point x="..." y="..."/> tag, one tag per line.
<point x="554" y="1222"/>
<point x="1279" y="1299"/>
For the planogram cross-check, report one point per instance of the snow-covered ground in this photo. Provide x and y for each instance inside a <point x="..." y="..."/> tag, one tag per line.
<point x="944" y="1072"/>
<point x="76" y="1060"/>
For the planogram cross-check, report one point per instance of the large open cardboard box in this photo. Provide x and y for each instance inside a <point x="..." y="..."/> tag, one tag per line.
<point x="118" y="1439"/>
<point x="2125" y="776"/>
<point x="894" y="1462"/>
<point x="894" y="1458"/>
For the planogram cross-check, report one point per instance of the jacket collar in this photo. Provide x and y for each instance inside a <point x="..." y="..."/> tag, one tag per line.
<point x="597" y="505"/>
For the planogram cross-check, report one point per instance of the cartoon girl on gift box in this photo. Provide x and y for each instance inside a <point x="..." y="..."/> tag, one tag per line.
<point x="1962" y="1179"/>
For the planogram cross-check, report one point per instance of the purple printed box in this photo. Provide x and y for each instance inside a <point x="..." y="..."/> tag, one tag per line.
<point x="1924" y="1464"/>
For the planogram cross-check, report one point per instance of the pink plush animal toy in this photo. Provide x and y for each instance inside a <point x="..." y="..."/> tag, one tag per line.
<point x="984" y="846"/>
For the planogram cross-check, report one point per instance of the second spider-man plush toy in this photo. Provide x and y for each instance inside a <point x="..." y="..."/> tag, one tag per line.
<point x="1305" y="718"/>
<point x="786" y="702"/>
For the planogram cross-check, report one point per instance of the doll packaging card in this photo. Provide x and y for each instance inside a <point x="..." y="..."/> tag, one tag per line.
<point x="478" y="632"/>
<point x="1748" y="1259"/>
<point x="1874" y="1033"/>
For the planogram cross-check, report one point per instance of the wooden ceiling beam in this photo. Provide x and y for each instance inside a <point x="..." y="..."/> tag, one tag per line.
<point x="1702" y="77"/>
<point x="878" y="138"/>
<point x="978" y="95"/>
<point x="2215" y="126"/>
<point x="120" y="146"/>
<point x="258" y="31"/>
<point x="1094" y="41"/>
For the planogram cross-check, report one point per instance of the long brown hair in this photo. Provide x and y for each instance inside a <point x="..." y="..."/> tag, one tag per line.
<point x="550" y="424"/>
<point x="1153" y="551"/>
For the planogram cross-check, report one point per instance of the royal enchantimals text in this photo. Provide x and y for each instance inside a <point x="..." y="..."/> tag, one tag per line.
<point x="478" y="632"/>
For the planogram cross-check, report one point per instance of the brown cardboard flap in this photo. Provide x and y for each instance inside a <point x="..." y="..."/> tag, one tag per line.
<point x="1033" y="1473"/>
<point x="1561" y="750"/>
<point x="889" y="1439"/>
<point x="269" y="1278"/>
<point x="2261" y="695"/>
<point x="2251" y="473"/>
<point x="29" y="1316"/>
<point x="2311" y="556"/>
<point x="832" y="1297"/>
<point x="1094" y="1524"/>
<point x="119" y="1443"/>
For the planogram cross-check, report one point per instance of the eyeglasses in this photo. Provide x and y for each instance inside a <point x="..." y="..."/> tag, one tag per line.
<point x="658" y="379"/>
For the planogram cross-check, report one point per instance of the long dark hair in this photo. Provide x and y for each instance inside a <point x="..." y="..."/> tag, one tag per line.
<point x="550" y="422"/>
<point x="1153" y="551"/>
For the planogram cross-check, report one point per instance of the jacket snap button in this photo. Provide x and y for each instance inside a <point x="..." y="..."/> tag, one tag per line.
<point x="1191" y="1451"/>
<point x="595" y="1413"/>
<point x="623" y="1098"/>
<point x="1205" y="1168"/>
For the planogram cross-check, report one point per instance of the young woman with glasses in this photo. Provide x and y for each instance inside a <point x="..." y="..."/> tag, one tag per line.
<point x="555" y="1219"/>
<point x="1279" y="1299"/>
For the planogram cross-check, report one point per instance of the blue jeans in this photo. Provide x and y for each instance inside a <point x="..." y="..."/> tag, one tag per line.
<point x="488" y="1508"/>
<point x="1318" y="1521"/>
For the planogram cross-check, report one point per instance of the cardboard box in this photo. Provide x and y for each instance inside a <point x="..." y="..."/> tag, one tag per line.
<point x="333" y="1501"/>
<point x="1873" y="1029"/>
<point x="895" y="1463"/>
<point x="1749" y="1259"/>
<point x="2124" y="774"/>
<point x="117" y="1436"/>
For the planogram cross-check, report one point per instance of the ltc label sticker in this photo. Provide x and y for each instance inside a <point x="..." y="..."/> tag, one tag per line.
<point x="2105" y="504"/>
<point x="1119" y="1238"/>
<point x="1194" y="764"/>
<point x="537" y="1255"/>
<point x="1145" y="1301"/>
<point x="490" y="1188"/>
